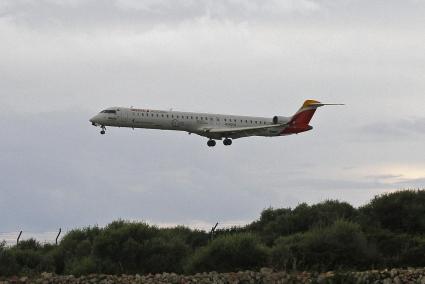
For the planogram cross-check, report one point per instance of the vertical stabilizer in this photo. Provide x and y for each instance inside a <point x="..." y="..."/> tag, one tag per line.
<point x="303" y="116"/>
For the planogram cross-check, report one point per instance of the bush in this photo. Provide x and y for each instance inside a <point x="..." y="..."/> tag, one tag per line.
<point x="79" y="242"/>
<point x="400" y="212"/>
<point x="282" y="222"/>
<point x="341" y="245"/>
<point x="414" y="255"/>
<point x="229" y="253"/>
<point x="140" y="248"/>
<point x="81" y="266"/>
<point x="8" y="264"/>
<point x="398" y="249"/>
<point x="28" y="257"/>
<point x="30" y="244"/>
<point x="288" y="252"/>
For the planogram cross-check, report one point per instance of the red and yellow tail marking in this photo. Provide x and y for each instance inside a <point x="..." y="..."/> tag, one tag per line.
<point x="308" y="103"/>
<point x="300" y="120"/>
<point x="305" y="113"/>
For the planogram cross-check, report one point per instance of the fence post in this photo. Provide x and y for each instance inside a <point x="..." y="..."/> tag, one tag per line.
<point x="60" y="230"/>
<point x="213" y="230"/>
<point x="17" y="240"/>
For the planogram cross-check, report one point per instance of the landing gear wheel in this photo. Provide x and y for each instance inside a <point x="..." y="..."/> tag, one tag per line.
<point x="103" y="131"/>
<point x="227" y="142"/>
<point x="211" y="143"/>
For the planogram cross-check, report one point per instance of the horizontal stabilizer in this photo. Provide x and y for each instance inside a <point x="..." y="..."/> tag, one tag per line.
<point x="321" y="104"/>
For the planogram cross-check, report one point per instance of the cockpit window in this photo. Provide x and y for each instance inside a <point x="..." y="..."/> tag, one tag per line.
<point x="108" y="111"/>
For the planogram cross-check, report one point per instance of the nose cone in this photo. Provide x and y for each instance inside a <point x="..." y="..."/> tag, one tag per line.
<point x="94" y="120"/>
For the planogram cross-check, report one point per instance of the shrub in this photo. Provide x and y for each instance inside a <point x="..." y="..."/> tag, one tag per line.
<point x="81" y="266"/>
<point x="282" y="222"/>
<point x="287" y="252"/>
<point x="138" y="247"/>
<point x="8" y="264"/>
<point x="400" y="212"/>
<point x="341" y="245"/>
<point x="398" y="249"/>
<point x="229" y="253"/>
<point x="79" y="242"/>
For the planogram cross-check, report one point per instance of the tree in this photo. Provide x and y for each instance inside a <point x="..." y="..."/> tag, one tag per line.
<point x="140" y="248"/>
<point x="274" y="223"/>
<point x="400" y="212"/>
<point x="341" y="245"/>
<point x="230" y="253"/>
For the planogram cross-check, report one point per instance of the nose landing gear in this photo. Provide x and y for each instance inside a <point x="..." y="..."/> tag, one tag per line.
<point x="103" y="131"/>
<point x="227" y="142"/>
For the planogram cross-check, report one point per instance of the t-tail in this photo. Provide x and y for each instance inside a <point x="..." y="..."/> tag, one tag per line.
<point x="299" y="122"/>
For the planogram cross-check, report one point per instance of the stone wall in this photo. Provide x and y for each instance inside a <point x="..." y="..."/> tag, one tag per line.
<point x="265" y="275"/>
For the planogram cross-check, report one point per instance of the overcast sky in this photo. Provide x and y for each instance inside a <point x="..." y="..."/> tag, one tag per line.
<point x="63" y="61"/>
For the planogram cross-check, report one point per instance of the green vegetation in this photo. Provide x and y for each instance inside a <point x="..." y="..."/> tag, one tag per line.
<point x="332" y="235"/>
<point x="227" y="253"/>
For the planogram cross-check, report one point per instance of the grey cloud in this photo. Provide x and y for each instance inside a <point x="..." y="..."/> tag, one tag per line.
<point x="401" y="129"/>
<point x="411" y="183"/>
<point x="383" y="177"/>
<point x="131" y="13"/>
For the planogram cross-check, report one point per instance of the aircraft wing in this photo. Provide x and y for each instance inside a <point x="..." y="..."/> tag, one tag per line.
<point x="238" y="131"/>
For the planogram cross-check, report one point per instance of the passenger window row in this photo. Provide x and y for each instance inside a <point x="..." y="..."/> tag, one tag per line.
<point x="196" y="117"/>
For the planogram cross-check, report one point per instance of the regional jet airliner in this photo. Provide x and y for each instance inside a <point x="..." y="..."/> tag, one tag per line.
<point x="213" y="126"/>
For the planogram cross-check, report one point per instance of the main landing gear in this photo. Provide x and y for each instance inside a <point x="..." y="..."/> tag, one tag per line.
<point x="227" y="142"/>
<point x="211" y="143"/>
<point x="103" y="131"/>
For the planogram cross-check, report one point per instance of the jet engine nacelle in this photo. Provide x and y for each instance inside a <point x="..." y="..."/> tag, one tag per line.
<point x="279" y="119"/>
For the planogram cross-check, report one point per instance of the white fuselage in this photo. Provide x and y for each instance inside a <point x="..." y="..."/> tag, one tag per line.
<point x="198" y="123"/>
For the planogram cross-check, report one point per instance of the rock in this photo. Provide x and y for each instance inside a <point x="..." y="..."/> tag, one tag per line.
<point x="330" y="274"/>
<point x="266" y="270"/>
<point x="397" y="280"/>
<point x="46" y="275"/>
<point x="265" y="275"/>
<point x="393" y="273"/>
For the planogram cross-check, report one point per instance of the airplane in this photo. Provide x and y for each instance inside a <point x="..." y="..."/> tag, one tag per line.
<point x="212" y="126"/>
